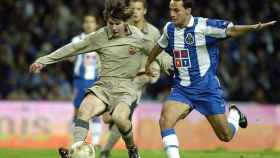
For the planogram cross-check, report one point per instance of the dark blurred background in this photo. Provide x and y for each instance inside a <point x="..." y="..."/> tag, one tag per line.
<point x="249" y="66"/>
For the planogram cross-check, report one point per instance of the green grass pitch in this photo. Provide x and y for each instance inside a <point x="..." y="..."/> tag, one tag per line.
<point x="24" y="153"/>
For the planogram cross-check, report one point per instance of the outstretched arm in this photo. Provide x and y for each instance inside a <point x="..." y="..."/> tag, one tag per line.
<point x="238" y="30"/>
<point x="69" y="50"/>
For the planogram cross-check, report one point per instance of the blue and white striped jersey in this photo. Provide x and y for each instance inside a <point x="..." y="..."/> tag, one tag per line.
<point x="86" y="65"/>
<point x="195" y="51"/>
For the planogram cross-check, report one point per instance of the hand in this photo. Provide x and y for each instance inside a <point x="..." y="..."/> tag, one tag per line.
<point x="260" y="25"/>
<point x="36" y="67"/>
<point x="107" y="117"/>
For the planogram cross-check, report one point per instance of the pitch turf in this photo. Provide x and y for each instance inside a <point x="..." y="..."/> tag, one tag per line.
<point x="22" y="153"/>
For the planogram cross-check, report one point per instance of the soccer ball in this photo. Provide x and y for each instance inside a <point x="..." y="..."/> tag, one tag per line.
<point x="83" y="150"/>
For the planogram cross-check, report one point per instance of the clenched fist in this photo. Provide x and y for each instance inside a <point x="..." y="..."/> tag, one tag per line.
<point x="36" y="67"/>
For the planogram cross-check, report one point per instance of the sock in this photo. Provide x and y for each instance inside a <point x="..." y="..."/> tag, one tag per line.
<point x="114" y="136"/>
<point x="128" y="138"/>
<point x="233" y="120"/>
<point x="96" y="128"/>
<point x="80" y="130"/>
<point x="170" y="143"/>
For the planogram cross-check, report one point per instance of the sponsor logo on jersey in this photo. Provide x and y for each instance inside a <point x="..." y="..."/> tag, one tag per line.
<point x="182" y="58"/>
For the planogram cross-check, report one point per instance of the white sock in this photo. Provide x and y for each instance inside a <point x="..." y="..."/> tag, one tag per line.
<point x="233" y="120"/>
<point x="170" y="143"/>
<point x="96" y="131"/>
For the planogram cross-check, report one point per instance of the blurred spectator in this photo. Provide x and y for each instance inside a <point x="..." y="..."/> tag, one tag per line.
<point x="249" y="68"/>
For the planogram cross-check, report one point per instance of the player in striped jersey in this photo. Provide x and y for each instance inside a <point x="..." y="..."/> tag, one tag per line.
<point x="86" y="71"/>
<point x="192" y="41"/>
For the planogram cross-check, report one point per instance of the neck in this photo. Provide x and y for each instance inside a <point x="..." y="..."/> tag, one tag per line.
<point x="140" y="24"/>
<point x="125" y="32"/>
<point x="186" y="22"/>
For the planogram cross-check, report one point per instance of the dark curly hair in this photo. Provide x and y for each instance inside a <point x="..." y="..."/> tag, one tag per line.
<point x="117" y="9"/>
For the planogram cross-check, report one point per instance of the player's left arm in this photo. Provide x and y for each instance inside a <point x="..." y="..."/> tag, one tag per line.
<point x="238" y="30"/>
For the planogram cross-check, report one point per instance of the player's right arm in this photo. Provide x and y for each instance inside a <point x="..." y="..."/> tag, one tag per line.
<point x="74" y="48"/>
<point x="238" y="30"/>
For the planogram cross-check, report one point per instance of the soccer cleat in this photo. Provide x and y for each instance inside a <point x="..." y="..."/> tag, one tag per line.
<point x="105" y="154"/>
<point x="243" y="123"/>
<point x="63" y="153"/>
<point x="133" y="153"/>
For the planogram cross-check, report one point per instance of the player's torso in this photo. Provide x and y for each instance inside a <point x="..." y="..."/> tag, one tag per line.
<point x="121" y="57"/>
<point x="193" y="60"/>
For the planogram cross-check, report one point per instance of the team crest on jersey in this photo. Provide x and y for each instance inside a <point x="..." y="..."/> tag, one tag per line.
<point x="189" y="39"/>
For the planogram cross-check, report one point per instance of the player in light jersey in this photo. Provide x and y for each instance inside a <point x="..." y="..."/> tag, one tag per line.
<point x="192" y="41"/>
<point x="86" y="72"/>
<point x="121" y="48"/>
<point x="165" y="64"/>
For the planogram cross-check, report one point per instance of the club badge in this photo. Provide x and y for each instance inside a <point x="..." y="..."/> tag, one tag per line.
<point x="189" y="39"/>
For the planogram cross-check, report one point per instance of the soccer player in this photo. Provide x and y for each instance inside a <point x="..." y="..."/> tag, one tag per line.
<point x="86" y="71"/>
<point x="192" y="41"/>
<point x="121" y="49"/>
<point x="138" y="19"/>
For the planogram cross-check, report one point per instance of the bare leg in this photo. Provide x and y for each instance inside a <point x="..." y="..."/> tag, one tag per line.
<point x="171" y="113"/>
<point x="91" y="106"/>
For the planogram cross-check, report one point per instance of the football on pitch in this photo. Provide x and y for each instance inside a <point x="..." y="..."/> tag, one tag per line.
<point x="84" y="150"/>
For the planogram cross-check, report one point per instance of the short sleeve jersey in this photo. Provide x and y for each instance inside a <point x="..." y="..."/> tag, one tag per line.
<point x="194" y="50"/>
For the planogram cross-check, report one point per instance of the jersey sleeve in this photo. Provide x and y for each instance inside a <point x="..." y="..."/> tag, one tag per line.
<point x="74" y="48"/>
<point x="163" y="40"/>
<point x="217" y="28"/>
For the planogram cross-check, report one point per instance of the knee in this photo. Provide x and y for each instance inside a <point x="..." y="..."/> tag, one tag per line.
<point x="118" y="119"/>
<point x="165" y="122"/>
<point x="83" y="116"/>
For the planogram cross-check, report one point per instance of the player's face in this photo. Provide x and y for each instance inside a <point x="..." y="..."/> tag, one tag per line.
<point x="139" y="11"/>
<point x="117" y="27"/>
<point x="90" y="24"/>
<point x="178" y="13"/>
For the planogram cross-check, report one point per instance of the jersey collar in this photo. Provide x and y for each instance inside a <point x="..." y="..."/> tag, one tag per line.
<point x="191" y="22"/>
<point x="110" y="34"/>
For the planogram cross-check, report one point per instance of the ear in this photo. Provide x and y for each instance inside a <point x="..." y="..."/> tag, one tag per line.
<point x="145" y="11"/>
<point x="189" y="10"/>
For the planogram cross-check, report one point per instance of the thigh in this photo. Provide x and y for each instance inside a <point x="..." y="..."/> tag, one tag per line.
<point x="91" y="106"/>
<point x="172" y="112"/>
<point x="176" y="109"/>
<point x="122" y="110"/>
<point x="219" y="124"/>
